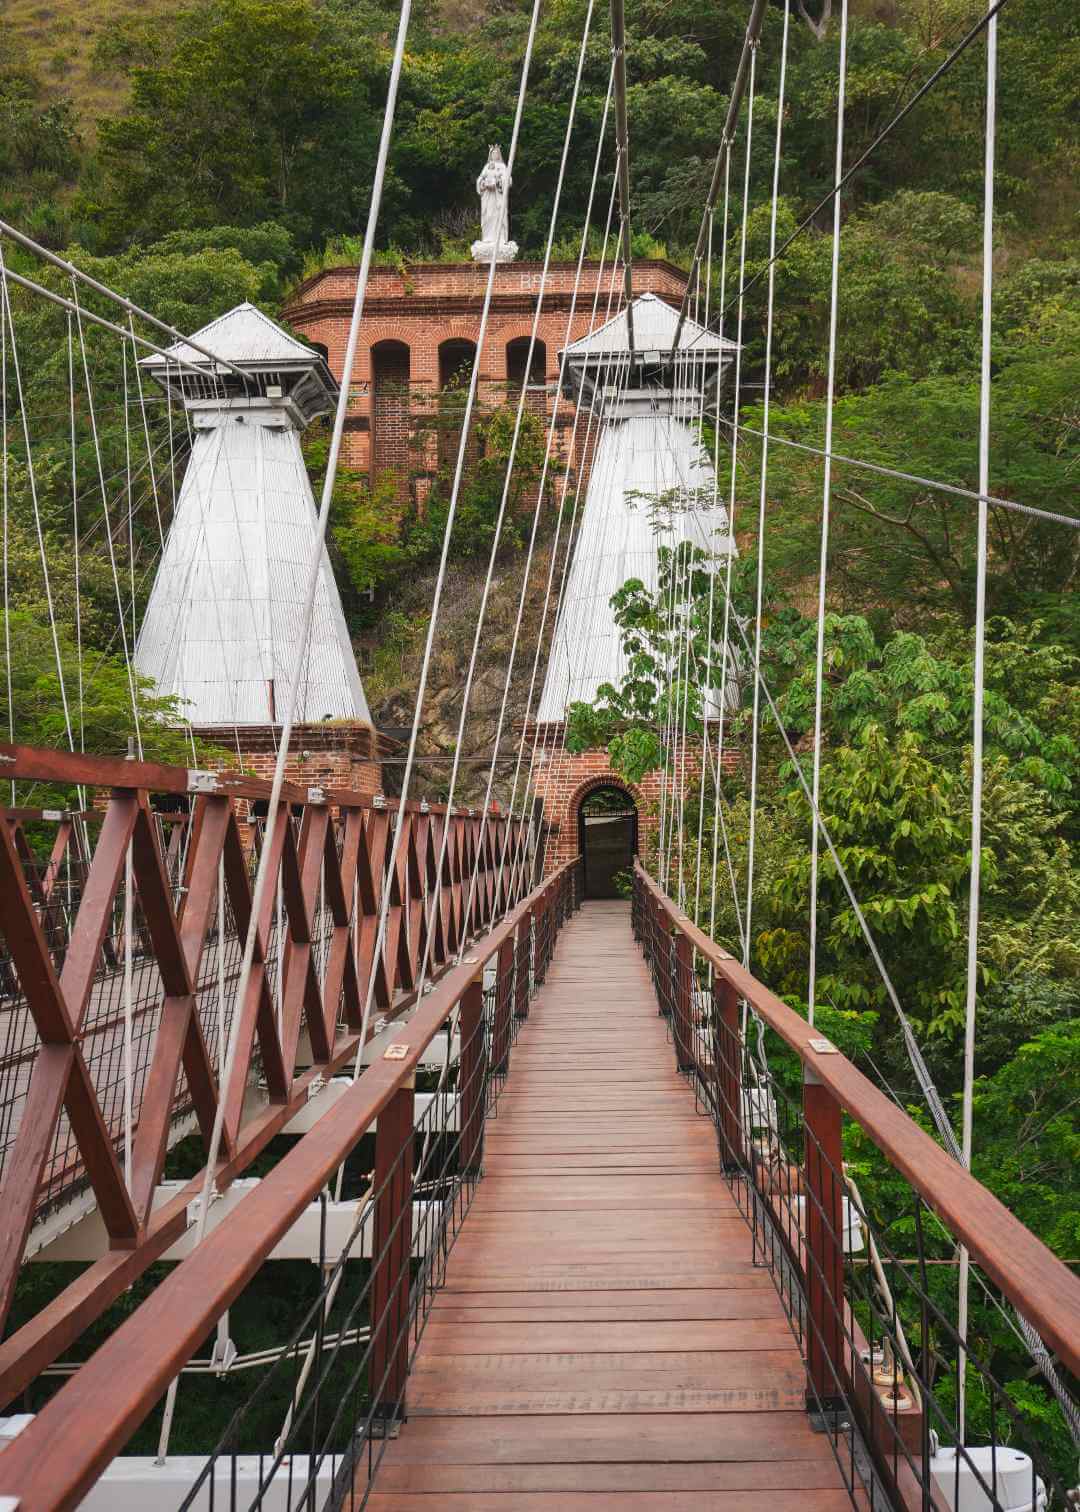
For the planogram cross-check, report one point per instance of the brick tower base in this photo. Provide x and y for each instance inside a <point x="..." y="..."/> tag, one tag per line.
<point x="334" y="754"/>
<point x="563" y="779"/>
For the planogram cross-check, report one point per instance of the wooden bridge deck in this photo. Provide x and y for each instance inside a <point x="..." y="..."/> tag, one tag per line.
<point x="603" y="1338"/>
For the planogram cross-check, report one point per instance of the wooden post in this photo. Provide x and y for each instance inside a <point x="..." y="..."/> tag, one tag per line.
<point x="504" y="986"/>
<point x="727" y="1053"/>
<point x="683" y="1021"/>
<point x="549" y="927"/>
<point x="665" y="949"/>
<point x="391" y="1254"/>
<point x="521" y="957"/>
<point x="542" y="917"/>
<point x="824" y="1240"/>
<point x="471" y="1078"/>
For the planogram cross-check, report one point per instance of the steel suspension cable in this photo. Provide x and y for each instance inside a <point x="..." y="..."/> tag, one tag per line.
<point x="560" y="597"/>
<point x="725" y="667"/>
<point x="979" y="689"/>
<point x="924" y="89"/>
<point x="108" y="526"/>
<point x="762" y="497"/>
<point x="79" y="276"/>
<point x="545" y="466"/>
<point x="5" y="297"/>
<point x="549" y="737"/>
<point x="314" y="569"/>
<point x="1049" y="516"/>
<point x="384" y="901"/>
<point x="511" y="458"/>
<point x="543" y="741"/>
<point x="722" y="166"/>
<point x="823" y="567"/>
<point x="622" y="167"/>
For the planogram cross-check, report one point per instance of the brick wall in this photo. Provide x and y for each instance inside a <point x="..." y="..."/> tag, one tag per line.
<point x="563" y="779"/>
<point x="426" y="305"/>
<point x="331" y="754"/>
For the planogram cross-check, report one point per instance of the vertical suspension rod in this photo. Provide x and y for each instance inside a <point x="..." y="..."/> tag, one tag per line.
<point x="727" y="138"/>
<point x="622" y="136"/>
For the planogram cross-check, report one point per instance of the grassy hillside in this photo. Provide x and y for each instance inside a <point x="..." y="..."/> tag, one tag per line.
<point x="68" y="43"/>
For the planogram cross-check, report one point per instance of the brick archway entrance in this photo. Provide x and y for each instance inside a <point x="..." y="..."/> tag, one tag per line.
<point x="607" y="824"/>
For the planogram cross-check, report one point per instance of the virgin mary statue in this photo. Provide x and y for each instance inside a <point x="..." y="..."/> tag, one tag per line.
<point x="493" y="187"/>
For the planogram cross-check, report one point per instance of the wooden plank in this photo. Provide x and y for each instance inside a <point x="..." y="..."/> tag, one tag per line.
<point x="555" y="1279"/>
<point x="734" y="1301"/>
<point x="716" y="1336"/>
<point x="634" y="1501"/>
<point x="806" y="1478"/>
<point x="566" y="1438"/>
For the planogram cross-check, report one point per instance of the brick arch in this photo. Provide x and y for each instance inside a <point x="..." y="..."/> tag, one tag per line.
<point x="522" y="345"/>
<point x="574" y="822"/>
<point x="605" y="780"/>
<point x="513" y="331"/>
<point x="378" y="334"/>
<point x="459" y="328"/>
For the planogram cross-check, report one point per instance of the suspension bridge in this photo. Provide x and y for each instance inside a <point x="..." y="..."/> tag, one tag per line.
<point x="579" y="1240"/>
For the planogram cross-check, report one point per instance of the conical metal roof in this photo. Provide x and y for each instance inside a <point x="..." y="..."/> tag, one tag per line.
<point x="654" y="330"/>
<point x="242" y="335"/>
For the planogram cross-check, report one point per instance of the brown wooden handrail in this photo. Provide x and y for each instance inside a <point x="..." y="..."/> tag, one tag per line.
<point x="105" y="1401"/>
<point x="38" y="764"/>
<point x="1031" y="1276"/>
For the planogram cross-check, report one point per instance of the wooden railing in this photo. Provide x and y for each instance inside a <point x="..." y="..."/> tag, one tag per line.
<point x="152" y="979"/>
<point x="786" y="1162"/>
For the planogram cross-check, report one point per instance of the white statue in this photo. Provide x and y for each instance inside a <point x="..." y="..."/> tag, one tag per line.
<point x="493" y="187"/>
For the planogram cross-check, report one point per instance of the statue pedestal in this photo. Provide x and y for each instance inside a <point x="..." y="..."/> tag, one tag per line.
<point x="505" y="252"/>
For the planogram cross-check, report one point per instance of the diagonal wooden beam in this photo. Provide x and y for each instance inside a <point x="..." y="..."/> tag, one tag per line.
<point x="99" y="1155"/>
<point x="24" y="1166"/>
<point x="179" y="1039"/>
<point x="256" y="1012"/>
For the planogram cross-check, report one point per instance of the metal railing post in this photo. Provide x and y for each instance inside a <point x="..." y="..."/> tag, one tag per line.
<point x="471" y="1076"/>
<point x="665" y="961"/>
<point x="728" y="1057"/>
<point x="682" y="1019"/>
<point x="391" y="1252"/>
<point x="521" y="967"/>
<point x="504" y="986"/>
<point x="824" y="1241"/>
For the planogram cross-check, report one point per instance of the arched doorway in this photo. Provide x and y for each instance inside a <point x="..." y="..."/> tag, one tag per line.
<point x="607" y="839"/>
<point x="520" y="374"/>
<point x="390" y="367"/>
<point x="456" y="358"/>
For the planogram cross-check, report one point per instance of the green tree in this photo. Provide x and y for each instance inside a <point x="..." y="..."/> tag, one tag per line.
<point x="256" y="110"/>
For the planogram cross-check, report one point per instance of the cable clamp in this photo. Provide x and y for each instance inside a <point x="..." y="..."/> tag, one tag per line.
<point x="202" y="782"/>
<point x="195" y="1205"/>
